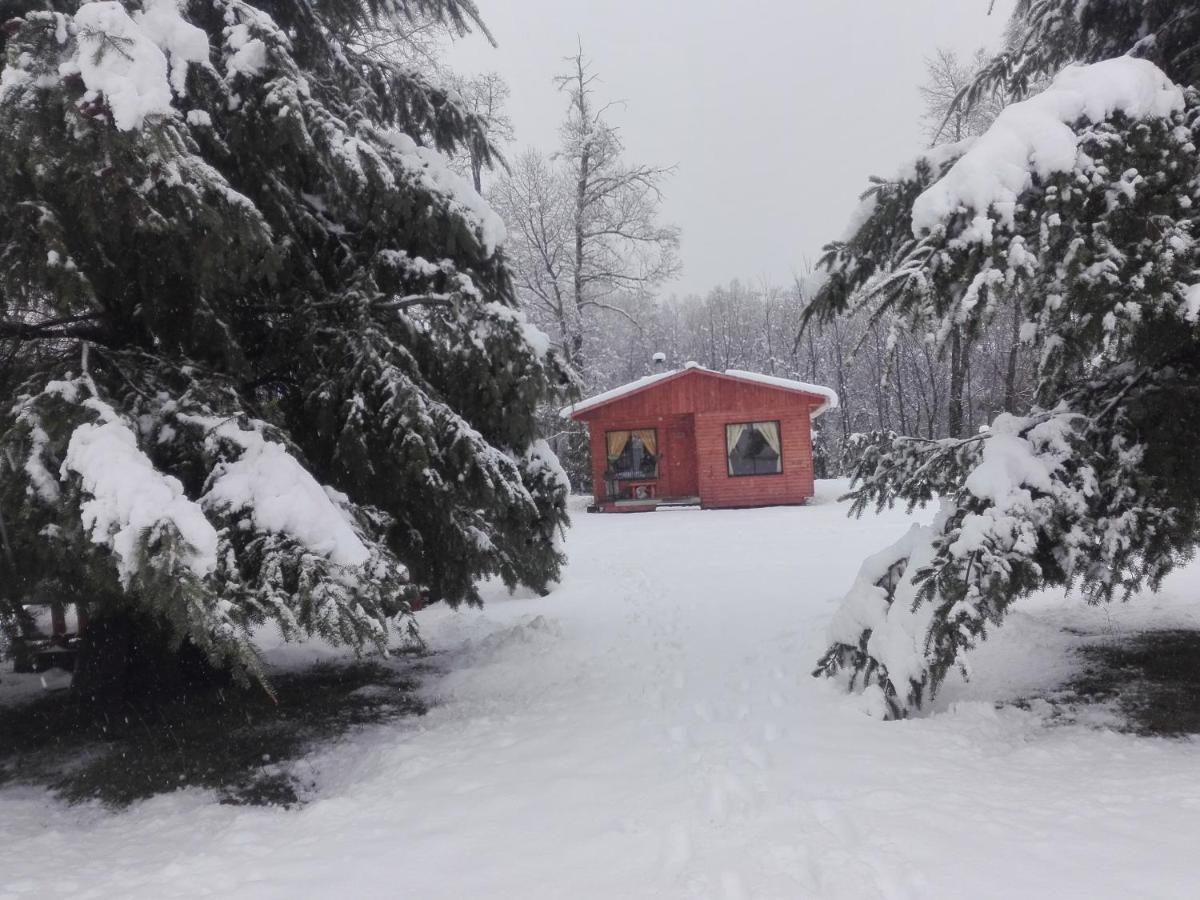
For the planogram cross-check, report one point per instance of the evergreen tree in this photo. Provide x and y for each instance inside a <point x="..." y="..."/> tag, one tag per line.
<point x="260" y="350"/>
<point x="1080" y="206"/>
<point x="1046" y="35"/>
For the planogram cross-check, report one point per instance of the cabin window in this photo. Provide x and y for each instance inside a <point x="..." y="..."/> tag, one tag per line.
<point x="632" y="455"/>
<point x="754" y="448"/>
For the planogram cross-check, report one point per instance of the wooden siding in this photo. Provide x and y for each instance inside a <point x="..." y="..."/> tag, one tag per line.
<point x="793" y="485"/>
<point x="663" y="425"/>
<point x="708" y="402"/>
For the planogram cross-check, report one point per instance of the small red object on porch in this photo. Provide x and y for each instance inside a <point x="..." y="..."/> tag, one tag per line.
<point x="705" y="438"/>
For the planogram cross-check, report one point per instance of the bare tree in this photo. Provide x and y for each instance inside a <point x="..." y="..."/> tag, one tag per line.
<point x="948" y="119"/>
<point x="485" y="95"/>
<point x="585" y="240"/>
<point x="620" y="248"/>
<point x="534" y="198"/>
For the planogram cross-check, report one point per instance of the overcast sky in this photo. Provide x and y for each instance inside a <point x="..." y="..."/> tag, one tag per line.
<point x="775" y="111"/>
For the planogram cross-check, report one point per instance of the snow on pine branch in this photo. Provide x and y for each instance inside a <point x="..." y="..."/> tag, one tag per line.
<point x="278" y="494"/>
<point x="123" y="60"/>
<point x="1035" y="137"/>
<point x="128" y="501"/>
<point x="433" y="171"/>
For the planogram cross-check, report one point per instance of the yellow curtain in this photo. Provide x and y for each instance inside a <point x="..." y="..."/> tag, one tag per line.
<point x="649" y="439"/>
<point x="616" y="444"/>
<point x="770" y="433"/>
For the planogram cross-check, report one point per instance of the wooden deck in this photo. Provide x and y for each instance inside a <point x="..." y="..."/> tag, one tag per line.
<point x="648" y="505"/>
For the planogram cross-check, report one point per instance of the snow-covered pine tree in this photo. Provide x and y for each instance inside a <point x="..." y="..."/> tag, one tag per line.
<point x="258" y="345"/>
<point x="1080" y="204"/>
<point x="1046" y="35"/>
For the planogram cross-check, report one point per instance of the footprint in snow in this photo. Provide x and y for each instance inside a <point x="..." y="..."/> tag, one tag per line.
<point x="755" y="757"/>
<point x="677" y="849"/>
<point x="726" y="793"/>
<point x="732" y="887"/>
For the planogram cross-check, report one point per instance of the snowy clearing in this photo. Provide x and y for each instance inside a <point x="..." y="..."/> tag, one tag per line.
<point x="651" y="730"/>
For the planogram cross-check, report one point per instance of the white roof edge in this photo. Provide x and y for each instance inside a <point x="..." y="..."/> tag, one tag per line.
<point x="802" y="387"/>
<point x="599" y="399"/>
<point x="829" y="396"/>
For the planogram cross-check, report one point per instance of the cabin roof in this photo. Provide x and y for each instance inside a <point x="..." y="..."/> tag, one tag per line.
<point x="828" y="397"/>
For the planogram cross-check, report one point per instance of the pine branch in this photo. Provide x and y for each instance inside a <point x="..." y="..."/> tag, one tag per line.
<point x="52" y="329"/>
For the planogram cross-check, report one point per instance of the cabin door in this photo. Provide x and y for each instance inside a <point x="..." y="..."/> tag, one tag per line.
<point x="685" y="481"/>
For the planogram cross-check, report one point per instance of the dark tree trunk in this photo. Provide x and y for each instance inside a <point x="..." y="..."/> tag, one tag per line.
<point x="125" y="657"/>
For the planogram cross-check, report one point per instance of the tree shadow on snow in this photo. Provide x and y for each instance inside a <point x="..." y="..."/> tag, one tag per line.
<point x="1148" y="681"/>
<point x="239" y="743"/>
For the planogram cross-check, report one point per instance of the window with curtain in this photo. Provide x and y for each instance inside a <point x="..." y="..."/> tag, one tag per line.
<point x="632" y="454"/>
<point x="754" y="448"/>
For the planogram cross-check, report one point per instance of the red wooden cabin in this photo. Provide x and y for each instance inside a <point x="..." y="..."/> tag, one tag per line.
<point x="699" y="437"/>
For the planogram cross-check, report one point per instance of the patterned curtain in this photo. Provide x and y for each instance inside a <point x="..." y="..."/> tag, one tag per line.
<point x="649" y="439"/>
<point x="616" y="444"/>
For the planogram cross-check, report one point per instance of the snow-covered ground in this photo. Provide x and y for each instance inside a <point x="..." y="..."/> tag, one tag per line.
<point x="651" y="730"/>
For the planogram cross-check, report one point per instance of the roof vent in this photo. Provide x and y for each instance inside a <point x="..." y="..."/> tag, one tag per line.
<point x="660" y="361"/>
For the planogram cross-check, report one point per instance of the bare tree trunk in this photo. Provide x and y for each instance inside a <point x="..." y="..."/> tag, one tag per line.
<point x="969" y="403"/>
<point x="954" y="412"/>
<point x="881" y="410"/>
<point x="931" y="409"/>
<point x="1010" y="375"/>
<point x="812" y="357"/>
<point x="899" y="376"/>
<point x="477" y="172"/>
<point x="712" y="338"/>
<point x="840" y="362"/>
<point x="770" y="341"/>
<point x="582" y="186"/>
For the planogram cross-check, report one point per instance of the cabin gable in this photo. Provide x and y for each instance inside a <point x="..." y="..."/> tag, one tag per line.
<point x="695" y="391"/>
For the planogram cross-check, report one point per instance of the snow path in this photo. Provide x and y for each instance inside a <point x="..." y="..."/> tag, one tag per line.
<point x="651" y="730"/>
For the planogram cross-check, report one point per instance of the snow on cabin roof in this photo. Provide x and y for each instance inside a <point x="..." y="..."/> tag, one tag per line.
<point x="600" y="399"/>
<point x="788" y="384"/>
<point x="830" y="396"/>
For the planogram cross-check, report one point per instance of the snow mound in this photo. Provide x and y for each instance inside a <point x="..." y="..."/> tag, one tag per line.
<point x="1034" y="137"/>
<point x="516" y="639"/>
